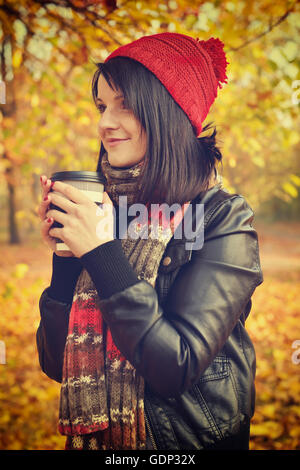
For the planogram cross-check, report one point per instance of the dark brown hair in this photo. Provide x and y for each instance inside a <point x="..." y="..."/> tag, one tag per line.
<point x="178" y="165"/>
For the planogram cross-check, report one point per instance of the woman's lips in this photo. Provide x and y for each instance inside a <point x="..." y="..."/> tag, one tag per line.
<point x="114" y="142"/>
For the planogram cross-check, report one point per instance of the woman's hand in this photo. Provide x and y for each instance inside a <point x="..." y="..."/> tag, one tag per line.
<point x="85" y="225"/>
<point x="47" y="222"/>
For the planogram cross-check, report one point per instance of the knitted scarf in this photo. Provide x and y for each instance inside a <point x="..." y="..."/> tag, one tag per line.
<point x="102" y="396"/>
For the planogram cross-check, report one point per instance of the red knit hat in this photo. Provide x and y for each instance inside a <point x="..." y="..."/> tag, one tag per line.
<point x="190" y="69"/>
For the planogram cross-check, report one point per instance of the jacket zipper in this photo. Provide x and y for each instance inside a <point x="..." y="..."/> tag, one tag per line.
<point x="150" y="433"/>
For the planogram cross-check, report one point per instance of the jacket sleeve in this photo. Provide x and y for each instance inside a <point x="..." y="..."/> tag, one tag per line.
<point x="51" y="335"/>
<point x="171" y="348"/>
<point x="55" y="304"/>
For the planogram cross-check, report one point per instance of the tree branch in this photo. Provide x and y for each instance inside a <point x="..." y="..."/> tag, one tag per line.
<point x="92" y="17"/>
<point x="271" y="26"/>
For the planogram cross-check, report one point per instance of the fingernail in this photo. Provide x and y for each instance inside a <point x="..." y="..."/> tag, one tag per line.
<point x="51" y="185"/>
<point x="49" y="220"/>
<point x="46" y="198"/>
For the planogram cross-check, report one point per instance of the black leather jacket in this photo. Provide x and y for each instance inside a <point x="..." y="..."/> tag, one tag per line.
<point x="186" y="337"/>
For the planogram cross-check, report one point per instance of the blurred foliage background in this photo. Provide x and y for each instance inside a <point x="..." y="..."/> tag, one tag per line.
<point x="48" y="123"/>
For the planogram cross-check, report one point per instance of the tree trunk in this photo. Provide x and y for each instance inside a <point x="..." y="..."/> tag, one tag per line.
<point x="14" y="237"/>
<point x="8" y="110"/>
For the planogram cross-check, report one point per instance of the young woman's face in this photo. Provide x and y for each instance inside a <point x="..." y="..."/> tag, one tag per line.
<point x="121" y="133"/>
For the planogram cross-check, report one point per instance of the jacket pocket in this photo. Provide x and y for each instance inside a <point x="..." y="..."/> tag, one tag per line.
<point x="218" y="369"/>
<point x="219" y="400"/>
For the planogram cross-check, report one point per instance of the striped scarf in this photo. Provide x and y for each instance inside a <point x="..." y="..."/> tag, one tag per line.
<point x="102" y="396"/>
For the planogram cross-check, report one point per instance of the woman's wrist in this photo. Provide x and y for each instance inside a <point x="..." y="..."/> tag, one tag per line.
<point x="65" y="272"/>
<point x="109" y="268"/>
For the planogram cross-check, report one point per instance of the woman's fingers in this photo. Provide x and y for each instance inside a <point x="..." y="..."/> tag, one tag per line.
<point x="62" y="202"/>
<point x="46" y="224"/>
<point x="43" y="179"/>
<point x="43" y="207"/>
<point x="59" y="216"/>
<point x="46" y="184"/>
<point x="71" y="193"/>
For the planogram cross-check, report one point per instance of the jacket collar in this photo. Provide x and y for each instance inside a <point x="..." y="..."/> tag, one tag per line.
<point x="196" y="215"/>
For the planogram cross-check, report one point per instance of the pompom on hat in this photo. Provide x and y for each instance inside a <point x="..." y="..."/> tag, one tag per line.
<point x="191" y="69"/>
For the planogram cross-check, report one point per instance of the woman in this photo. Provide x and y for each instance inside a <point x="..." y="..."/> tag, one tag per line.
<point x="145" y="328"/>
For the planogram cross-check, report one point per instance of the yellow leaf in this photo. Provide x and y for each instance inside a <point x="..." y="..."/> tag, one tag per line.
<point x="85" y="120"/>
<point x="20" y="270"/>
<point x="279" y="355"/>
<point x="295" y="431"/>
<point x="17" y="58"/>
<point x="296" y="410"/>
<point x="269" y="410"/>
<point x="35" y="101"/>
<point x="277" y="57"/>
<point x="258" y="161"/>
<point x="232" y="162"/>
<point x="291" y="70"/>
<point x="254" y="143"/>
<point x="94" y="144"/>
<point x="271" y="429"/>
<point x="295" y="179"/>
<point x="290" y="189"/>
<point x="290" y="50"/>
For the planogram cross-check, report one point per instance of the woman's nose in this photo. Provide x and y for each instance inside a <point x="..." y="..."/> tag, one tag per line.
<point x="108" y="120"/>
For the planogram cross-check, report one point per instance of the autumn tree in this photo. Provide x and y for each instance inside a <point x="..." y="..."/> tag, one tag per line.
<point x="47" y="53"/>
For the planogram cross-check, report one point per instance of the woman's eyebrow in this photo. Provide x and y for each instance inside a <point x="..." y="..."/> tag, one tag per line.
<point x="118" y="97"/>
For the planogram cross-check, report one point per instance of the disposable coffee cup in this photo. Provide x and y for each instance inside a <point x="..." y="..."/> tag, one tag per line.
<point x="91" y="183"/>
